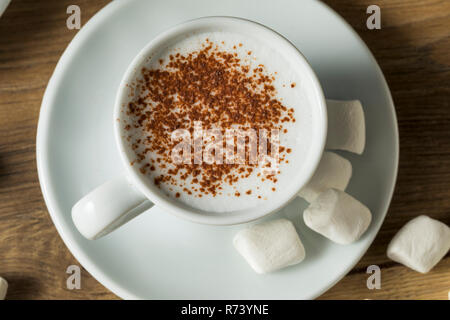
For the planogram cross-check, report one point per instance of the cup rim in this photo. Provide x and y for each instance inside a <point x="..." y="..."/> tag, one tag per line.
<point x="192" y="214"/>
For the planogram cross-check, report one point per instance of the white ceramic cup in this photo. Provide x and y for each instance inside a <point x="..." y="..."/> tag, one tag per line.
<point x="119" y="200"/>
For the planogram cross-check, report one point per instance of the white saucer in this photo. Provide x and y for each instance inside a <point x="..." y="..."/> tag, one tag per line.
<point x="3" y="5"/>
<point x="157" y="255"/>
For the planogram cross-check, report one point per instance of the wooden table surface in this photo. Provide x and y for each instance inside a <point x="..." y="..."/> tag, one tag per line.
<point x="413" y="50"/>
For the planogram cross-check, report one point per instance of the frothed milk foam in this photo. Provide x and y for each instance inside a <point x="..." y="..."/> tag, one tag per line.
<point x="298" y="135"/>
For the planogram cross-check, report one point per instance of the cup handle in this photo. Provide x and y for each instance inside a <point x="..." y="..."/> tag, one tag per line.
<point x="107" y="207"/>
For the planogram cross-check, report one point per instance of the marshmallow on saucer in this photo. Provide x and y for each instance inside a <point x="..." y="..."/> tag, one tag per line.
<point x="3" y="288"/>
<point x="333" y="171"/>
<point x="270" y="246"/>
<point x="346" y="126"/>
<point x="337" y="216"/>
<point x="420" y="244"/>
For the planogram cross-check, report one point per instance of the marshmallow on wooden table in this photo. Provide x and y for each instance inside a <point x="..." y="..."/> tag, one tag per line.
<point x="346" y="126"/>
<point x="420" y="244"/>
<point x="270" y="246"/>
<point x="3" y="288"/>
<point x="333" y="171"/>
<point x="337" y="216"/>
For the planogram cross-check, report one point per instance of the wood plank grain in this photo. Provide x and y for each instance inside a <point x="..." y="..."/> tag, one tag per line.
<point x="413" y="50"/>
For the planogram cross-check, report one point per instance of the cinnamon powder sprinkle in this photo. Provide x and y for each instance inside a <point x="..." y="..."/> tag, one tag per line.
<point x="208" y="85"/>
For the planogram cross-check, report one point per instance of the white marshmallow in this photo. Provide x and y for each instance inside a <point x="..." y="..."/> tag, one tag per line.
<point x="420" y="244"/>
<point x="337" y="216"/>
<point x="333" y="171"/>
<point x="346" y="126"/>
<point x="270" y="246"/>
<point x="3" y="288"/>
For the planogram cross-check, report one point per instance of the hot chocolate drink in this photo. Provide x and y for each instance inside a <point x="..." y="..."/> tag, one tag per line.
<point x="218" y="121"/>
